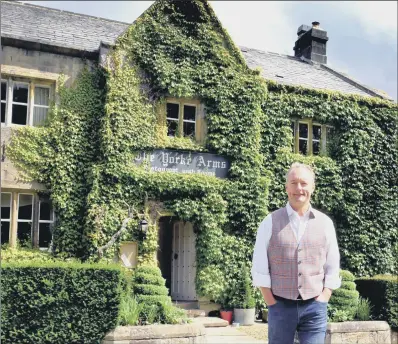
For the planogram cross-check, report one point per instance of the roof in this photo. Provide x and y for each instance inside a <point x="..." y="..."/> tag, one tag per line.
<point x="291" y="70"/>
<point x="64" y="29"/>
<point x="55" y="27"/>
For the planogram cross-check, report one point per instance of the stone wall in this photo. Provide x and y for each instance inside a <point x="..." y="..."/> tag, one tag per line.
<point x="40" y="67"/>
<point x="375" y="332"/>
<point x="157" y="334"/>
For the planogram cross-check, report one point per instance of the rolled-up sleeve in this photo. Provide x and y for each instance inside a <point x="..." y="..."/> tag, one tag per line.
<point x="332" y="265"/>
<point x="260" y="270"/>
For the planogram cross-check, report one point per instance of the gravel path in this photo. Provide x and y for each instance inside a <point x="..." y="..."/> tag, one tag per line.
<point x="259" y="330"/>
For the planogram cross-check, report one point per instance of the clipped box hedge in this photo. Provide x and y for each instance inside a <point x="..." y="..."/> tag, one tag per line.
<point x="382" y="292"/>
<point x="58" y="303"/>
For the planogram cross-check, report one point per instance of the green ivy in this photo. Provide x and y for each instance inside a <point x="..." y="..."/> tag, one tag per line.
<point x="179" y="49"/>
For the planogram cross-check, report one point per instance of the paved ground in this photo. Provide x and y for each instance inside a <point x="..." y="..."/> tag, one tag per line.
<point x="233" y="335"/>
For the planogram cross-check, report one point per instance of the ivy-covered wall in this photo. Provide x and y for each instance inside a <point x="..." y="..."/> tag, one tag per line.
<point x="179" y="49"/>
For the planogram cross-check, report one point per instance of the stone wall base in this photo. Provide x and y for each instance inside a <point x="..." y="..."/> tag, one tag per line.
<point x="375" y="332"/>
<point x="157" y="334"/>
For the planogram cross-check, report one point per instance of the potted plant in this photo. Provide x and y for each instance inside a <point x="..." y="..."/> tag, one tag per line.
<point x="244" y="307"/>
<point x="226" y="311"/>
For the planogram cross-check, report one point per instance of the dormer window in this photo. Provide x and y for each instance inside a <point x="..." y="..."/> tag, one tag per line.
<point x="181" y="118"/>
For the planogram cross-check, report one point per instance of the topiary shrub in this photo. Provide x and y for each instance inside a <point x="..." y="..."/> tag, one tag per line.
<point x="149" y="289"/>
<point x="343" y="304"/>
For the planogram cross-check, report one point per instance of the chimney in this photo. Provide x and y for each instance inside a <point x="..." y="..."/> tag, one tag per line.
<point x="311" y="43"/>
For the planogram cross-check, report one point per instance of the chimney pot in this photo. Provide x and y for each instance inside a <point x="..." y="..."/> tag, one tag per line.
<point x="315" y="24"/>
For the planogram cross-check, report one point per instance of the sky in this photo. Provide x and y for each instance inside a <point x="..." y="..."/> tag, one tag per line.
<point x="362" y="34"/>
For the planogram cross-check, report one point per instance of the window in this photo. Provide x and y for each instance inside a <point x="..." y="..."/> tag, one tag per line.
<point x="41" y="104"/>
<point x="25" y="218"/>
<point x="3" y="100"/>
<point x="46" y="220"/>
<point x="31" y="224"/>
<point x="181" y="119"/>
<point x="24" y="102"/>
<point x="309" y="138"/>
<point x="5" y="217"/>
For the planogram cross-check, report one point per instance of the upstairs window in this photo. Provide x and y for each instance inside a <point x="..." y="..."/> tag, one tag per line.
<point x="181" y="119"/>
<point x="24" y="102"/>
<point x="3" y="100"/>
<point x="309" y="138"/>
<point x="20" y="101"/>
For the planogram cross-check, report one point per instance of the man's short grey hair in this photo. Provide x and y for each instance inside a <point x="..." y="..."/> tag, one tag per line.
<point x="300" y="165"/>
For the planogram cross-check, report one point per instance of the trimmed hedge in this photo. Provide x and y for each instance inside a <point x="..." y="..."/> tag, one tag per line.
<point x="382" y="292"/>
<point x="58" y="303"/>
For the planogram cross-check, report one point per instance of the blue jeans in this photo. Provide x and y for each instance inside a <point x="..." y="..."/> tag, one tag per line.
<point x="308" y="318"/>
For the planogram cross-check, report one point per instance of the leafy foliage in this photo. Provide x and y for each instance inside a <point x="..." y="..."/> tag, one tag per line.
<point x="85" y="154"/>
<point x="154" y="304"/>
<point x="344" y="301"/>
<point x="382" y="293"/>
<point x="53" y="302"/>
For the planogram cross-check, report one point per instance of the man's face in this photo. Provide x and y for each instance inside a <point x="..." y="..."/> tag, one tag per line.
<point x="299" y="187"/>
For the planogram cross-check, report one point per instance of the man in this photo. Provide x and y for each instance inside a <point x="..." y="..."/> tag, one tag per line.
<point x="296" y="264"/>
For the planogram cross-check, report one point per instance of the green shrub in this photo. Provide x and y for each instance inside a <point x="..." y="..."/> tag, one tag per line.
<point x="343" y="304"/>
<point x="58" y="303"/>
<point x="364" y="309"/>
<point x="152" y="296"/>
<point x="382" y="292"/>
<point x="243" y="297"/>
<point x="130" y="310"/>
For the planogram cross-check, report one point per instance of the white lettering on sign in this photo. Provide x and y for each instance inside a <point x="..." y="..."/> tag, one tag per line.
<point x="180" y="162"/>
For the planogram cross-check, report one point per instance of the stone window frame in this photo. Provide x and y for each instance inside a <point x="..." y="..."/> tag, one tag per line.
<point x="32" y="84"/>
<point x="181" y="103"/>
<point x="295" y="123"/>
<point x="13" y="220"/>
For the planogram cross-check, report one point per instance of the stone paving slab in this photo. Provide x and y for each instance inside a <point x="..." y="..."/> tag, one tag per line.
<point x="210" y="321"/>
<point x="229" y="335"/>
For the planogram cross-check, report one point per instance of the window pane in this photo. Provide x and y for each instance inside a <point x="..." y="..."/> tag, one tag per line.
<point x="45" y="211"/>
<point x="316" y="132"/>
<point x="39" y="115"/>
<point x="5" y="232"/>
<point x="24" y="231"/>
<point x="20" y="93"/>
<point x="316" y="148"/>
<point x="42" y="95"/>
<point x="172" y="128"/>
<point x="44" y="234"/>
<point x="189" y="112"/>
<point x="172" y="110"/>
<point x="25" y="207"/>
<point x="5" y="206"/>
<point x="19" y="114"/>
<point x="189" y="129"/>
<point x="303" y="130"/>
<point x="3" y="112"/>
<point x="303" y="147"/>
<point x="3" y="91"/>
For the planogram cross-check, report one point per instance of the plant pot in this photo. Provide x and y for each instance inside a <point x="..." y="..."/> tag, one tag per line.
<point x="244" y="317"/>
<point x="226" y="315"/>
<point x="264" y="315"/>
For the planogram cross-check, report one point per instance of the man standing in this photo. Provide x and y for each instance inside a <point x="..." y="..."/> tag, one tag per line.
<point x="296" y="264"/>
